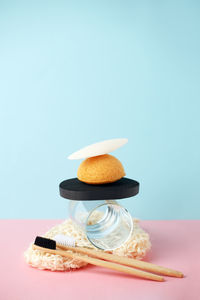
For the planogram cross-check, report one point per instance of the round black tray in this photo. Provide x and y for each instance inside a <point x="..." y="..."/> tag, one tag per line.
<point x="74" y="189"/>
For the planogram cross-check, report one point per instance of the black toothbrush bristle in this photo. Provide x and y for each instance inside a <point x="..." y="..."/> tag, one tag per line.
<point x="45" y="243"/>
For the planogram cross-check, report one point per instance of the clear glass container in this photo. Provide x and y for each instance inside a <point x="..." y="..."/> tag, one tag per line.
<point x="106" y="223"/>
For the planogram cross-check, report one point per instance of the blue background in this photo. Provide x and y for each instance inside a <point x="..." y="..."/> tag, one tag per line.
<point x="77" y="72"/>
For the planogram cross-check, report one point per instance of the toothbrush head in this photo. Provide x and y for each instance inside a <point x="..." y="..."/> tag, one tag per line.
<point x="45" y="243"/>
<point x="65" y="240"/>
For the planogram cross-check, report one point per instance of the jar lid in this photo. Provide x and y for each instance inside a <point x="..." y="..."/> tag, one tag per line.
<point x="75" y="189"/>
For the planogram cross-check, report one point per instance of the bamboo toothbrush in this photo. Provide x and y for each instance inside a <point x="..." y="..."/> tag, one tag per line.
<point x="69" y="243"/>
<point x="49" y="246"/>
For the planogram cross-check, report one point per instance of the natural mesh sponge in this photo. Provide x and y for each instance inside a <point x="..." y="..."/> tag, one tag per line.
<point x="100" y="170"/>
<point x="136" y="247"/>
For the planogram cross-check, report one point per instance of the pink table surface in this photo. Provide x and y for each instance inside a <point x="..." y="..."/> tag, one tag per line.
<point x="175" y="244"/>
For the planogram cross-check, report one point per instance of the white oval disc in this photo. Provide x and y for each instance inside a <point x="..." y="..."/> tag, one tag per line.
<point x="98" y="148"/>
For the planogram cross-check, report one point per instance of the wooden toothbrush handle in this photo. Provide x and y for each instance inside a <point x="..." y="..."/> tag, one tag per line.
<point x="125" y="261"/>
<point x="102" y="263"/>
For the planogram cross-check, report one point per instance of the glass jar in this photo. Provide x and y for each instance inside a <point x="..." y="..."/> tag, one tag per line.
<point x="106" y="223"/>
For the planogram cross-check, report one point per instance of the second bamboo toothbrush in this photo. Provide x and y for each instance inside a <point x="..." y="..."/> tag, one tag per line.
<point x="49" y="246"/>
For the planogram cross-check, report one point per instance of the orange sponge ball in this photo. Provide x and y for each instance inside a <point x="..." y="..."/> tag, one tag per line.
<point x="100" y="170"/>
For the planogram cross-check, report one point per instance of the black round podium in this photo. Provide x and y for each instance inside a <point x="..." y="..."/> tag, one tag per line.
<point x="75" y="189"/>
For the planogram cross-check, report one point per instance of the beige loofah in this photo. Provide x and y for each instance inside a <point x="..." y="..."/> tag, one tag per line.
<point x="136" y="247"/>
